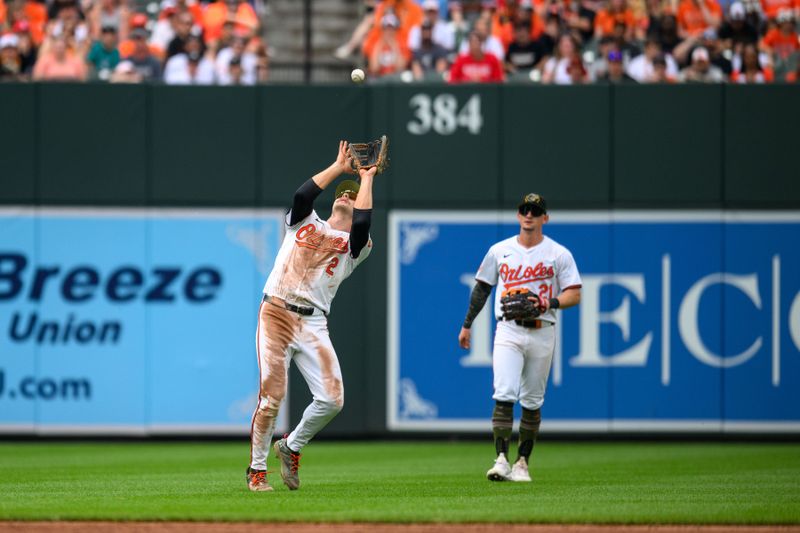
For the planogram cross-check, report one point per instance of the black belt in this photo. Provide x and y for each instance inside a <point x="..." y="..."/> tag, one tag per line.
<point x="305" y="311"/>
<point x="532" y="324"/>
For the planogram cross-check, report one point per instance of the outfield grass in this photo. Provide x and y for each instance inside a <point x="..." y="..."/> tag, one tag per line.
<point x="405" y="482"/>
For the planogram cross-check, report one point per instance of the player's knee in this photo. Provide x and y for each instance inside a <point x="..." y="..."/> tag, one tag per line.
<point x="269" y="405"/>
<point x="274" y="391"/>
<point x="331" y="407"/>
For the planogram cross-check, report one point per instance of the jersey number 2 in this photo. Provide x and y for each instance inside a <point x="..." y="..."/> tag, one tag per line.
<point x="331" y="266"/>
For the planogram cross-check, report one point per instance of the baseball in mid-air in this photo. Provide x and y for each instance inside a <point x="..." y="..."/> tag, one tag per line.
<point x="357" y="75"/>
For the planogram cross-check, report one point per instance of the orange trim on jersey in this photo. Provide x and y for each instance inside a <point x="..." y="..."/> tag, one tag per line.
<point x="321" y="248"/>
<point x="571" y="287"/>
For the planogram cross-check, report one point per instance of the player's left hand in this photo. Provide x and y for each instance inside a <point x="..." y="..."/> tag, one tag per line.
<point x="344" y="160"/>
<point x="367" y="173"/>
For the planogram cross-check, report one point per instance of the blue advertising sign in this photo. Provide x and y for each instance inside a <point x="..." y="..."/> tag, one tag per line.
<point x="689" y="321"/>
<point x="131" y="321"/>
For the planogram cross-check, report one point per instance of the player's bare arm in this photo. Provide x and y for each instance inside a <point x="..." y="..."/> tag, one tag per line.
<point x="568" y="298"/>
<point x="480" y="293"/>
<point x="303" y="201"/>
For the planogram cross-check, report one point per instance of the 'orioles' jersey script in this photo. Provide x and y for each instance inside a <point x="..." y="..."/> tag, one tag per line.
<point x="546" y="269"/>
<point x="312" y="262"/>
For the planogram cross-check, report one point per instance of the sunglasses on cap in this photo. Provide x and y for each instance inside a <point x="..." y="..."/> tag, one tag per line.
<point x="351" y="194"/>
<point x="535" y="210"/>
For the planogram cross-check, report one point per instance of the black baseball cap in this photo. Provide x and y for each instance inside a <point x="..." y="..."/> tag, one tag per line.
<point x="533" y="199"/>
<point x="347" y="186"/>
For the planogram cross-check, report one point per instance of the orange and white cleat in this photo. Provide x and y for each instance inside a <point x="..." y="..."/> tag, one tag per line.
<point x="257" y="480"/>
<point x="290" y="463"/>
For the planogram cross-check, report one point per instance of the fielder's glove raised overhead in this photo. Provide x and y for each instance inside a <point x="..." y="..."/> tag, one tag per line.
<point x="520" y="304"/>
<point x="371" y="154"/>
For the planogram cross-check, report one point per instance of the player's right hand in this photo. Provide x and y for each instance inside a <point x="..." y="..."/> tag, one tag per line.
<point x="343" y="159"/>
<point x="463" y="338"/>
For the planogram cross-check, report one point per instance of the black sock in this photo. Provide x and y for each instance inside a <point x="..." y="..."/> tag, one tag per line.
<point x="502" y="420"/>
<point x="528" y="432"/>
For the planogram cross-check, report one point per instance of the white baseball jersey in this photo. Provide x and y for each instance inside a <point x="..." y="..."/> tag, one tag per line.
<point x="546" y="269"/>
<point x="312" y="262"/>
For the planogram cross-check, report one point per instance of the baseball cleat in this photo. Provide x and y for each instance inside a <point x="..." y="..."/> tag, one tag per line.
<point x="257" y="480"/>
<point x="519" y="472"/>
<point x="501" y="471"/>
<point x="290" y="462"/>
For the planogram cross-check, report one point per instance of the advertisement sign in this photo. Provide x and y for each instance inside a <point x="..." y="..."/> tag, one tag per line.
<point x="131" y="321"/>
<point x="689" y="321"/>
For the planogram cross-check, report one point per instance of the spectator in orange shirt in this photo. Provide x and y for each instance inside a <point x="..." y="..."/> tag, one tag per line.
<point x="58" y="64"/>
<point x="408" y="14"/>
<point x="751" y="70"/>
<point x="615" y="12"/>
<point x="773" y="8"/>
<point x="476" y="66"/>
<point x="695" y="16"/>
<point x="34" y="13"/>
<point x="782" y="42"/>
<point x="217" y="13"/>
<point x="389" y="55"/>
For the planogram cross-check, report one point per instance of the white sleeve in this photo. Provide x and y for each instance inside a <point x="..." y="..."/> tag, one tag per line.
<point x="568" y="276"/>
<point x="487" y="272"/>
<point x="311" y="216"/>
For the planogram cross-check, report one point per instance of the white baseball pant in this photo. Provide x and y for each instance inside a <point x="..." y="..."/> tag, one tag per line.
<point x="521" y="362"/>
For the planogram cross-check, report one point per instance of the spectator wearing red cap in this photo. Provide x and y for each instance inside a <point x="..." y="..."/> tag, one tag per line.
<point x="29" y="12"/>
<point x="164" y="29"/>
<point x="390" y="54"/>
<point x="57" y="63"/>
<point x="476" y="66"/>
<point x="751" y="70"/>
<point x="26" y="47"/>
<point x="143" y="59"/>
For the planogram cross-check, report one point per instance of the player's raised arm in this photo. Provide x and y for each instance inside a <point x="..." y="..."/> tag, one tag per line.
<point x="362" y="212"/>
<point x="303" y="202"/>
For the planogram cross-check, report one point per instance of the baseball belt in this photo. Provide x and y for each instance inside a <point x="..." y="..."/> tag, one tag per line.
<point x="305" y="311"/>
<point x="532" y="324"/>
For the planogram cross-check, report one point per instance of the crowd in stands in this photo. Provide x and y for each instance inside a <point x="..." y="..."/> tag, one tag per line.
<point x="181" y="42"/>
<point x="580" y="41"/>
<point x="547" y="41"/>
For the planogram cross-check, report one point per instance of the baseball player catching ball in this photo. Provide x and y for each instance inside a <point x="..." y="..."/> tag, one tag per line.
<point x="537" y="276"/>
<point x="315" y="257"/>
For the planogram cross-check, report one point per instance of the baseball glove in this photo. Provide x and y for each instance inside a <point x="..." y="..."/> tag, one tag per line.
<point x="519" y="304"/>
<point x="371" y="154"/>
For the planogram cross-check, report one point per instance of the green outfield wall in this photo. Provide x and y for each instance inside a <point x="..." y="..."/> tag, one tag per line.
<point x="465" y="147"/>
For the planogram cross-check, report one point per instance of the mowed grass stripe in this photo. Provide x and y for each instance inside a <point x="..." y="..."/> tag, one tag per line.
<point x="405" y="482"/>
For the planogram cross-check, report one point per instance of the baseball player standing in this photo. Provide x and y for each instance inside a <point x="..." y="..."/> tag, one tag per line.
<point x="523" y="349"/>
<point x="315" y="257"/>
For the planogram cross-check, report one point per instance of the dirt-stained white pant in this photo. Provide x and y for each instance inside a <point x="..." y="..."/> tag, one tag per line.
<point x="521" y="363"/>
<point x="284" y="336"/>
